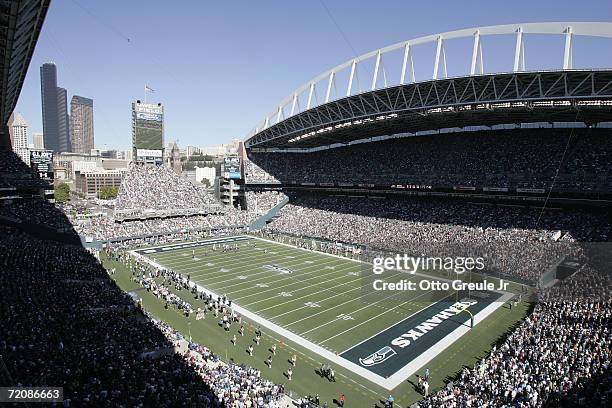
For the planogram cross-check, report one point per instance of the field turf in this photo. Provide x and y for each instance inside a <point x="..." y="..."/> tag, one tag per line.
<point x="319" y="298"/>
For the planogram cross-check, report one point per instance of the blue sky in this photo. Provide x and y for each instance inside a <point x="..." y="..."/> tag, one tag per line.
<point x="220" y="66"/>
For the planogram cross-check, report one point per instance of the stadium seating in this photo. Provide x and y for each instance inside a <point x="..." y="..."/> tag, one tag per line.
<point x="498" y="159"/>
<point x="522" y="243"/>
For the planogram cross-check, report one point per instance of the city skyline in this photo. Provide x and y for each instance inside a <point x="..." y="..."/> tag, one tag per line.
<point x="228" y="81"/>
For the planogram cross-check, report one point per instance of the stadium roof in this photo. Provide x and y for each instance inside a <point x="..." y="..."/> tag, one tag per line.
<point x="20" y="25"/>
<point x="478" y="98"/>
<point x="573" y="96"/>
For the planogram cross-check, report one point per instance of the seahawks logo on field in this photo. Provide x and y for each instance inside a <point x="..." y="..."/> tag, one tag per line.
<point x="278" y="269"/>
<point x="378" y="357"/>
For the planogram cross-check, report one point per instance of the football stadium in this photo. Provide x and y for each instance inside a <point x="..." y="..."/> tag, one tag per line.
<point x="379" y="238"/>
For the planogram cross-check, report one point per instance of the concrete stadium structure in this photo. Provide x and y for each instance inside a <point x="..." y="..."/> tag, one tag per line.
<point x="20" y="25"/>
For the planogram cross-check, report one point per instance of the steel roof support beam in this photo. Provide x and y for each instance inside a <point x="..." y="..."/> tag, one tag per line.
<point x="294" y="104"/>
<point x="567" y="55"/>
<point x="329" y="86"/>
<point x="350" y="83"/>
<point x="476" y="53"/>
<point x="407" y="58"/>
<point x="376" y="67"/>
<point x="440" y="52"/>
<point x="309" y="104"/>
<point x="519" y="52"/>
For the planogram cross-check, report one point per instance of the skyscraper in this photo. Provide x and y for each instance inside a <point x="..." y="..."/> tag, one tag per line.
<point x="20" y="138"/>
<point x="63" y="120"/>
<point x="81" y="124"/>
<point x="48" y="89"/>
<point x="37" y="140"/>
<point x="54" y="110"/>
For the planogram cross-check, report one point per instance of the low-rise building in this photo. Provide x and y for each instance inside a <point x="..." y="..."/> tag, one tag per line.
<point x="90" y="182"/>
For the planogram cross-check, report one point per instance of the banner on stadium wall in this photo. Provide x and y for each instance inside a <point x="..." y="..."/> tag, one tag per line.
<point x="307" y="184"/>
<point x="496" y="189"/>
<point x="345" y="184"/>
<point x="464" y="188"/>
<point x="148" y="153"/>
<point x="326" y="184"/>
<point x="412" y="186"/>
<point x="531" y="190"/>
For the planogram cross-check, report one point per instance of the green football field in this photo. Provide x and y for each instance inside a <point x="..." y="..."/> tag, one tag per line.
<point x="321" y="301"/>
<point x="256" y="277"/>
<point x="317" y="296"/>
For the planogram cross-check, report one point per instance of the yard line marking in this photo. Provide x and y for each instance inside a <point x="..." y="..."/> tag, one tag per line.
<point x="362" y="308"/>
<point x="295" y="279"/>
<point x="348" y="301"/>
<point x="215" y="275"/>
<point x="312" y="294"/>
<point x="272" y="275"/>
<point x="307" y="295"/>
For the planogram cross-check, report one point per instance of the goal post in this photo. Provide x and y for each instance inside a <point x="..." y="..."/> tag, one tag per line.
<point x="470" y="314"/>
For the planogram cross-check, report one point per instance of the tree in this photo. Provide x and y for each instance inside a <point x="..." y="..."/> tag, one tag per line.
<point x="206" y="182"/>
<point x="188" y="165"/>
<point x="62" y="193"/>
<point x="108" y="192"/>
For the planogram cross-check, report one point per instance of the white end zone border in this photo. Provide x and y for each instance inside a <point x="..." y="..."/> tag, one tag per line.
<point x="388" y="383"/>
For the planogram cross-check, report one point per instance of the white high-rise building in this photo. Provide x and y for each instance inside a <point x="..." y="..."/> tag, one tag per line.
<point x="20" y="138"/>
<point x="38" y="140"/>
<point x="208" y="173"/>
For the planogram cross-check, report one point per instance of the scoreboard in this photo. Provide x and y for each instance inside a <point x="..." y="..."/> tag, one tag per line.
<point x="231" y="168"/>
<point x="41" y="163"/>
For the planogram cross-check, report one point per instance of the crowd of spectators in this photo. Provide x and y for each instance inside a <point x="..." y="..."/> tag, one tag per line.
<point x="558" y="357"/>
<point x="517" y="242"/>
<point x="106" y="228"/>
<point x="232" y="385"/>
<point x="34" y="211"/>
<point x="153" y="200"/>
<point x="496" y="159"/>
<point x="14" y="173"/>
<point x="256" y="175"/>
<point x="261" y="202"/>
<point x="146" y="188"/>
<point x="65" y="322"/>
